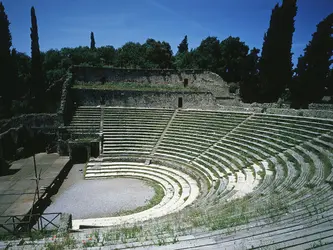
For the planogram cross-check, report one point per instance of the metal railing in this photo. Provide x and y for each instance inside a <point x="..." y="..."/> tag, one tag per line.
<point x="16" y="224"/>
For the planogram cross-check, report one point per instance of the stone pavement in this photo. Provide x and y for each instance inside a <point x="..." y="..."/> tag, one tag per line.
<point x="17" y="190"/>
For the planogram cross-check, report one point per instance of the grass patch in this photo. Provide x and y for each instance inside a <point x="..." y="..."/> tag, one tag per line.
<point x="67" y="242"/>
<point x="7" y="237"/>
<point x="291" y="189"/>
<point x="134" y="86"/>
<point x="310" y="185"/>
<point x="226" y="222"/>
<point x="115" y="236"/>
<point x="330" y="183"/>
<point x="261" y="174"/>
<point x="34" y="235"/>
<point x="271" y="167"/>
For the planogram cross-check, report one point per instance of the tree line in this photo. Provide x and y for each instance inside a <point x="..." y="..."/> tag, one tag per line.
<point x="33" y="83"/>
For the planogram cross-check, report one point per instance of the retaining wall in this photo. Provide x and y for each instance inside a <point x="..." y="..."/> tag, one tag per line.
<point x="149" y="99"/>
<point x="25" y="134"/>
<point x="66" y="109"/>
<point x="204" y="80"/>
<point x="321" y="106"/>
<point x="327" y="114"/>
<point x="30" y="120"/>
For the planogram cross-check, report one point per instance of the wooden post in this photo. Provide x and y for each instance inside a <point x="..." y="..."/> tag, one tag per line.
<point x="37" y="178"/>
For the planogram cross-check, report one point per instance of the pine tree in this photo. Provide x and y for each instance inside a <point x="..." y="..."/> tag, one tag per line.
<point x="233" y="57"/>
<point x="208" y="54"/>
<point x="92" y="41"/>
<point x="313" y="67"/>
<point x="6" y="66"/>
<point x="183" y="46"/>
<point x="276" y="60"/>
<point x="37" y="86"/>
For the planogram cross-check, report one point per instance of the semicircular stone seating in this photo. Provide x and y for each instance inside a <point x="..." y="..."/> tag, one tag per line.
<point x="240" y="180"/>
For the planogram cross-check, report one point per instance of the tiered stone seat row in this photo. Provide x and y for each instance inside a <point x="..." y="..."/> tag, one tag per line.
<point x="86" y="120"/>
<point x="231" y="156"/>
<point x="128" y="131"/>
<point x="309" y="168"/>
<point x="192" y="132"/>
<point x="180" y="190"/>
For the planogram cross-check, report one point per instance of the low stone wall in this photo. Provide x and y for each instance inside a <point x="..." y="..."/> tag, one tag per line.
<point x="66" y="109"/>
<point x="303" y="112"/>
<point x="65" y="224"/>
<point x="30" y="120"/>
<point x="81" y="151"/>
<point x="320" y="106"/>
<point x="149" y="99"/>
<point x="326" y="114"/>
<point x="22" y="135"/>
<point x="20" y="142"/>
<point x="266" y="105"/>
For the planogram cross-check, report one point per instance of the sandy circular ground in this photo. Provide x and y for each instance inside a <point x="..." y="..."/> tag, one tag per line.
<point x="98" y="198"/>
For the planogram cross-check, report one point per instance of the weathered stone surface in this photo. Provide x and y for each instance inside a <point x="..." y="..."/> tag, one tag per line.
<point x="20" y="142"/>
<point x="30" y="120"/>
<point x="65" y="223"/>
<point x="20" y="152"/>
<point x="272" y="109"/>
<point x="321" y="106"/>
<point x="66" y="104"/>
<point x="149" y="99"/>
<point x="204" y="80"/>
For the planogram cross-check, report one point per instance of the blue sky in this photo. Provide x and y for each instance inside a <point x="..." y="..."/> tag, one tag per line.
<point x="68" y="23"/>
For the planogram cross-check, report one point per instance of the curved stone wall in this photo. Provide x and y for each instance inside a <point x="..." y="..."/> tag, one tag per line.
<point x="149" y="99"/>
<point x="203" y="80"/>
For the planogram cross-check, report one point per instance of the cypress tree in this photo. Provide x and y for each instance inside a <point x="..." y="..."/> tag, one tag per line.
<point x="15" y="73"/>
<point x="92" y="41"/>
<point x="37" y="87"/>
<point x="288" y="13"/>
<point x="183" y="46"/>
<point x="6" y="66"/>
<point x="249" y="90"/>
<point x="266" y="63"/>
<point x="313" y="68"/>
<point x="276" y="60"/>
